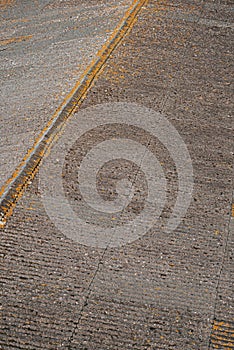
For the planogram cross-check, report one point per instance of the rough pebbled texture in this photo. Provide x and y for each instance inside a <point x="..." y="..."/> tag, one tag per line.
<point x="163" y="291"/>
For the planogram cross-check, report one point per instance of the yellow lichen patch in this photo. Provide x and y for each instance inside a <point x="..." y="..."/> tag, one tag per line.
<point x="15" y="40"/>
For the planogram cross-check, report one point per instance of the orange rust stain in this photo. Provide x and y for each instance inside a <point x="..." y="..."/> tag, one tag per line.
<point x="5" y="3"/>
<point x="222" y="337"/>
<point x="115" y="73"/>
<point x="15" y="40"/>
<point x="93" y="70"/>
<point x="223" y="334"/>
<point x="220" y="324"/>
<point x="233" y="210"/>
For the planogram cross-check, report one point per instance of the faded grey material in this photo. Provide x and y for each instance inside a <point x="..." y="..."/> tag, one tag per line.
<point x="79" y="226"/>
<point x="45" y="48"/>
<point x="165" y="290"/>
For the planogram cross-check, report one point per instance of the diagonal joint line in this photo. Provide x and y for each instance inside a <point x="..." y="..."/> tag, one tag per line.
<point x="14" y="188"/>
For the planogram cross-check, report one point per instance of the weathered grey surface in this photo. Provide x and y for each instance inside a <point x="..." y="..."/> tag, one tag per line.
<point x="163" y="291"/>
<point x="45" y="48"/>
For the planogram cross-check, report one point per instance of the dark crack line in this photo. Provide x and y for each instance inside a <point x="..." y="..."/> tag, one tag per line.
<point x="164" y="99"/>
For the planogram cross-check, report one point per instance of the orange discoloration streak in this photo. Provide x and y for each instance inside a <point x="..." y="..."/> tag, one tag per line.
<point x="5" y="3"/>
<point x="115" y="73"/>
<point x="15" y="40"/>
<point x="219" y="325"/>
<point x="233" y="210"/>
<point x="69" y="106"/>
<point x="222" y="335"/>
